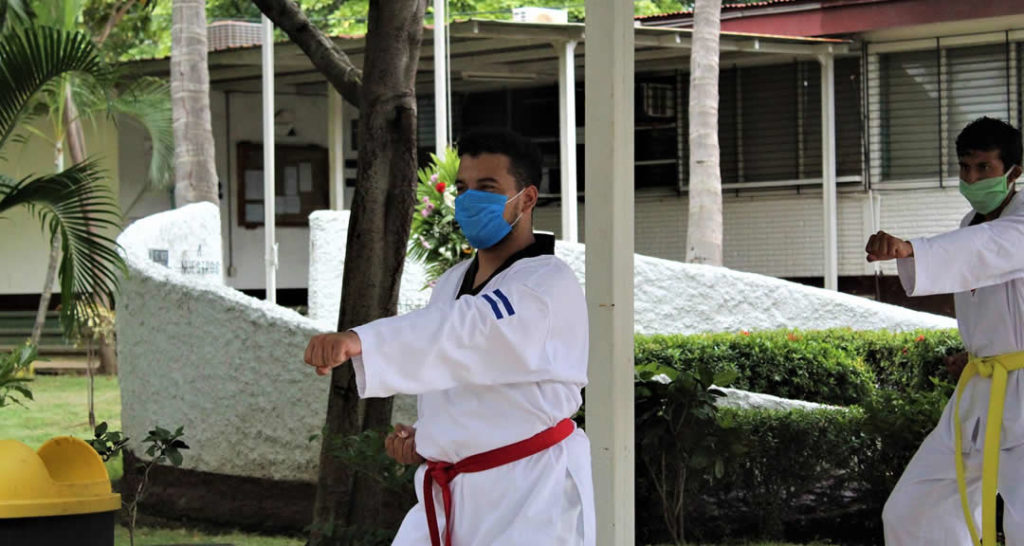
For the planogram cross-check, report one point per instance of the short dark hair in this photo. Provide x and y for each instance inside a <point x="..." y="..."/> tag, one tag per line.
<point x="986" y="134"/>
<point x="524" y="157"/>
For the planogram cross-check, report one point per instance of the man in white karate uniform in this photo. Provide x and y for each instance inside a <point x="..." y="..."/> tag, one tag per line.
<point x="498" y="359"/>
<point x="982" y="263"/>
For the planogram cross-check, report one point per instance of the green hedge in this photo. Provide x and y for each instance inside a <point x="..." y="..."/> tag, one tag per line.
<point x="793" y="475"/>
<point x="841" y="367"/>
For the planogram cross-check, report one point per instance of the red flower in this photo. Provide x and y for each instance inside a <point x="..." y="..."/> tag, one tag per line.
<point x="440" y="187"/>
<point x="792" y="337"/>
<point x="905" y="350"/>
<point x="920" y="338"/>
<point x="745" y="333"/>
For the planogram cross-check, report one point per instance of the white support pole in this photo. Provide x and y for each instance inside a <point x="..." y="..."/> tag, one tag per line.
<point x="336" y="147"/>
<point x="567" y="138"/>
<point x="609" y="263"/>
<point x="270" y="244"/>
<point x="441" y="138"/>
<point x="828" y="169"/>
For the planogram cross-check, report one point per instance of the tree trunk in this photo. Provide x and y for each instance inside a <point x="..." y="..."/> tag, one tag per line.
<point x="704" y="228"/>
<point x="76" y="147"/>
<point x="382" y="208"/>
<point x="54" y="258"/>
<point x="195" y="174"/>
<point x="44" y="298"/>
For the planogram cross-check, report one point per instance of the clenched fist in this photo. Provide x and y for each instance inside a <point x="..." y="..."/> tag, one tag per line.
<point x="400" y="445"/>
<point x="327" y="351"/>
<point x="882" y="246"/>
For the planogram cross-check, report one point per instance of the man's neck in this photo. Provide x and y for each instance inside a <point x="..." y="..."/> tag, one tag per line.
<point x="490" y="259"/>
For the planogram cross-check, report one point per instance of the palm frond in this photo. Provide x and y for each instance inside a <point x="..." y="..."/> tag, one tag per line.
<point x="76" y="206"/>
<point x="148" y="102"/>
<point x="34" y="55"/>
<point x="15" y="12"/>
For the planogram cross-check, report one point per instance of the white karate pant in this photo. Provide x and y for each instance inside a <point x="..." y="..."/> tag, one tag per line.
<point x="925" y="507"/>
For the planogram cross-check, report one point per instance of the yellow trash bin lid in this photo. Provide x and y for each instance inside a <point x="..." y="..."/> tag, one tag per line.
<point x="64" y="477"/>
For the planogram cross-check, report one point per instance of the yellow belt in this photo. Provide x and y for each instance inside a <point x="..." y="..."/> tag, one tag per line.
<point x="996" y="367"/>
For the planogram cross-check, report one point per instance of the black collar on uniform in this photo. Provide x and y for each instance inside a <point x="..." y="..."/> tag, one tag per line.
<point x="543" y="245"/>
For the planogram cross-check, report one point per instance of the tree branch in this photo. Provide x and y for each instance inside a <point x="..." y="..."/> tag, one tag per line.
<point x="326" y="56"/>
<point x="119" y="12"/>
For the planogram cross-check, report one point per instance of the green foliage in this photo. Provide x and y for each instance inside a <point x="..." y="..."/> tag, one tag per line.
<point x="840" y="367"/>
<point x="134" y="26"/>
<point x="147" y="102"/>
<point x="435" y="239"/>
<point x="34" y="56"/>
<point x="364" y="453"/>
<point x="680" y="439"/>
<point x="14" y="368"/>
<point x="781" y="363"/>
<point x="801" y="474"/>
<point x="107" y="443"/>
<point x="795" y="465"/>
<point x="908" y="361"/>
<point x="70" y="203"/>
<point x="165" y="445"/>
<point x="151" y="29"/>
<point x="895" y="424"/>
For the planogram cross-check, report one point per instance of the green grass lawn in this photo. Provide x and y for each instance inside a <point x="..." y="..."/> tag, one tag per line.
<point x="61" y="408"/>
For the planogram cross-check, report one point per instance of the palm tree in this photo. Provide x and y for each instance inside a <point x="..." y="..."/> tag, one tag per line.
<point x="704" y="227"/>
<point x="70" y="202"/>
<point x="68" y="100"/>
<point x="195" y="173"/>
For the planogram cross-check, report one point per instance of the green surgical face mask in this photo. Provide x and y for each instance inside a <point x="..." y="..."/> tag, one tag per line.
<point x="986" y="195"/>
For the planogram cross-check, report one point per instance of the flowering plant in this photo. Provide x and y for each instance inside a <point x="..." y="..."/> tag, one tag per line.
<point x="435" y="239"/>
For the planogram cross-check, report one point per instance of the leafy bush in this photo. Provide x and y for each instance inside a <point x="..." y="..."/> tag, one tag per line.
<point x="895" y="424"/>
<point x="802" y="474"/>
<point x="14" y="375"/>
<point x="683" y="442"/>
<point x="839" y="367"/>
<point x="786" y="364"/>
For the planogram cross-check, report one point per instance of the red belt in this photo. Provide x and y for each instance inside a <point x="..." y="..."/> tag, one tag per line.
<point x="444" y="473"/>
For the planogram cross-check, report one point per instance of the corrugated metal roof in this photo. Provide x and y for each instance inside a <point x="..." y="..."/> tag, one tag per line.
<point x="726" y="6"/>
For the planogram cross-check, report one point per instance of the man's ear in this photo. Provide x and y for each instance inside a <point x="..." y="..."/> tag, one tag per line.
<point x="1014" y="173"/>
<point x="530" y="196"/>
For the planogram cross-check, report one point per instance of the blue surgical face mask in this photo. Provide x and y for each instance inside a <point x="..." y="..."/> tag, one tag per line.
<point x="481" y="215"/>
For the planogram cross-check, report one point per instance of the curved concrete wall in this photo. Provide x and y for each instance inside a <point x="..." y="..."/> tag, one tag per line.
<point x="196" y="353"/>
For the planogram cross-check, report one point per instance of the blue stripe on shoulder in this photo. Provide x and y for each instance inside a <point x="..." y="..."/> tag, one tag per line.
<point x="494" y="307"/>
<point x="505" y="302"/>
